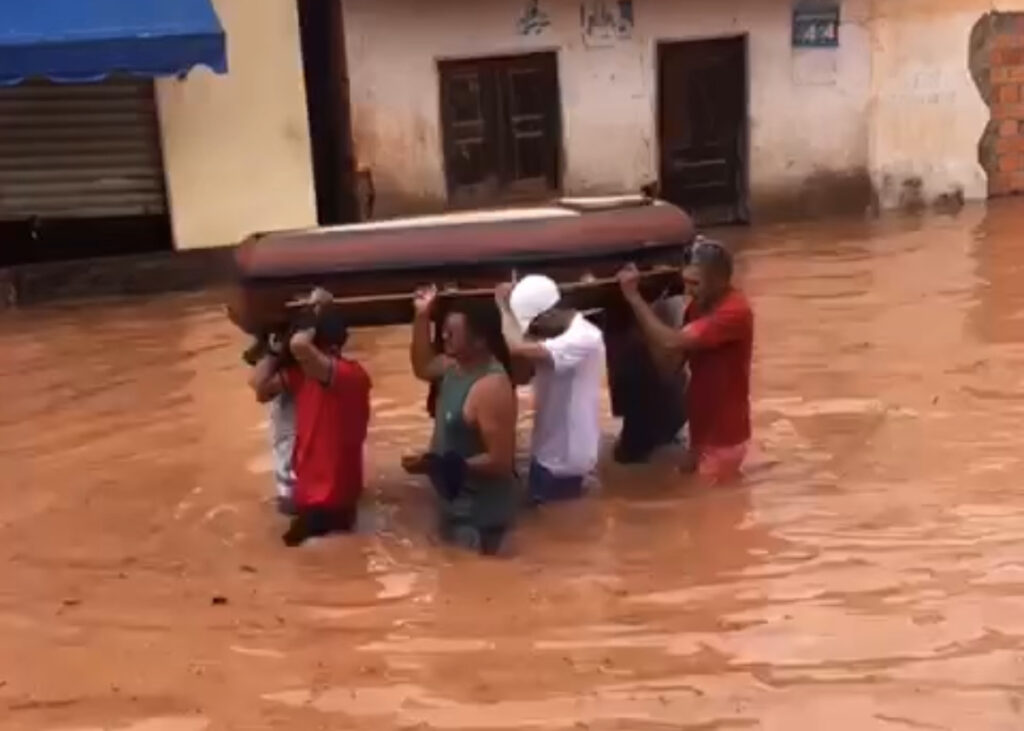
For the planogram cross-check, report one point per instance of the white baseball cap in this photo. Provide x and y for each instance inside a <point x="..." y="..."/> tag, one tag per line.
<point x="532" y="296"/>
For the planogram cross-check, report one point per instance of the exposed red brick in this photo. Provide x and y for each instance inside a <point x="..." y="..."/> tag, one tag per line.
<point x="1008" y="127"/>
<point x="1009" y="163"/>
<point x="995" y="56"/>
<point x="1012" y="56"/>
<point x="1009" y="40"/>
<point x="1005" y="74"/>
<point x="1008" y="93"/>
<point x="1008" y="111"/>
<point x="1009" y="144"/>
<point x="1016" y="182"/>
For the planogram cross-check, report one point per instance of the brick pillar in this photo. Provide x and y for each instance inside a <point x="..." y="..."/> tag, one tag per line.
<point x="1005" y="162"/>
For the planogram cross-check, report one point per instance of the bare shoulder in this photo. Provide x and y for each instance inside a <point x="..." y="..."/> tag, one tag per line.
<point x="495" y="385"/>
<point x="493" y="392"/>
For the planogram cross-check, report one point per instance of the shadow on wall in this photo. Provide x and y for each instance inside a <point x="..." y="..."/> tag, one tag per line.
<point x="996" y="60"/>
<point x="823" y="193"/>
<point x="910" y="197"/>
<point x="850" y="193"/>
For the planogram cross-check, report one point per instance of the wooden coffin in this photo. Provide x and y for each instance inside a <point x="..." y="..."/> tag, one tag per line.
<point x="373" y="268"/>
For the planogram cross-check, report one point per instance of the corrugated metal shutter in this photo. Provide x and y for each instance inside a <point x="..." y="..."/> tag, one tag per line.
<point x="80" y="150"/>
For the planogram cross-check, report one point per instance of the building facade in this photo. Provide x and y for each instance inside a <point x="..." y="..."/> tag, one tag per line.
<point x="236" y="146"/>
<point x="753" y="108"/>
<point x="742" y="110"/>
<point x="147" y="151"/>
<point x="635" y="93"/>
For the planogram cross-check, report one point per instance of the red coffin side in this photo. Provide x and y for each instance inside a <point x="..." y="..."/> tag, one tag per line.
<point x="392" y="258"/>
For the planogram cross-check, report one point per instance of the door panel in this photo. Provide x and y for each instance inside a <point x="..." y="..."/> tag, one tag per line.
<point x="469" y="151"/>
<point x="702" y="127"/>
<point x="531" y="103"/>
<point x="501" y="127"/>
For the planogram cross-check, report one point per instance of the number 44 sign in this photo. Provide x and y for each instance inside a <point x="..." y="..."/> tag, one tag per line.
<point x="816" y="24"/>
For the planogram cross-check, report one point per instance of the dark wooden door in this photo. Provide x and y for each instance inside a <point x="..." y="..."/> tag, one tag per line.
<point x="703" y="127"/>
<point x="501" y="128"/>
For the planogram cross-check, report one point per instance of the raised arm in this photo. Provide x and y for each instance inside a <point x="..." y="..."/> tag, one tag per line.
<point x="519" y="347"/>
<point x="427" y="365"/>
<point x="656" y="332"/>
<point x="491" y="405"/>
<point x="265" y="379"/>
<point x="316" y="364"/>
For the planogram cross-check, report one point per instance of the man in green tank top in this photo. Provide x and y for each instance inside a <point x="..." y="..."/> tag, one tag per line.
<point x="471" y="462"/>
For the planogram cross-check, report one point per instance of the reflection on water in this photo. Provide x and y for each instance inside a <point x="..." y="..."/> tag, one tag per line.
<point x="869" y="575"/>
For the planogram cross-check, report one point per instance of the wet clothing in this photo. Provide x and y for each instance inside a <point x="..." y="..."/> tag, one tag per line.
<point x="545" y="486"/>
<point x="331" y="421"/>
<point x="721" y="465"/>
<point x="479" y="505"/>
<point x="567" y="401"/>
<point x="653" y="403"/>
<point x="718" y="398"/>
<point x="650" y="399"/>
<point x="447" y="474"/>
<point x="282" y="442"/>
<point x="317" y="522"/>
<point x="484" y="540"/>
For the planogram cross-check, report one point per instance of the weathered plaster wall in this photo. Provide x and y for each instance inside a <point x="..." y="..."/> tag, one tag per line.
<point x="236" y="147"/>
<point x="927" y="113"/>
<point x="808" y="134"/>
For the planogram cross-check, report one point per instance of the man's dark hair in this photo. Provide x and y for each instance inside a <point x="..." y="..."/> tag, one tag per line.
<point x="331" y="328"/>
<point x="713" y="257"/>
<point x="484" y="321"/>
<point x="327" y="321"/>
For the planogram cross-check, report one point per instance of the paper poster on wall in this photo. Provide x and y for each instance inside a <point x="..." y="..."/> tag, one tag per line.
<point x="533" y="19"/>
<point x="816" y="24"/>
<point x="604" y="22"/>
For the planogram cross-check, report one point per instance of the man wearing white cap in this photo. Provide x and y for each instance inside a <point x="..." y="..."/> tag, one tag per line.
<point x="567" y="354"/>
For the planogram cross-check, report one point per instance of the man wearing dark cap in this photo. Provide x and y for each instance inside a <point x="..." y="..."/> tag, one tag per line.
<point x="332" y="412"/>
<point x="717" y="342"/>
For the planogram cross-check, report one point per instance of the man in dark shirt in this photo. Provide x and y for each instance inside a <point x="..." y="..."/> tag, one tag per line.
<point x="717" y="341"/>
<point x="647" y="393"/>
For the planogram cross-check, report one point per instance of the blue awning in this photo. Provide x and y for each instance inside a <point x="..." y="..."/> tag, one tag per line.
<point x="88" y="40"/>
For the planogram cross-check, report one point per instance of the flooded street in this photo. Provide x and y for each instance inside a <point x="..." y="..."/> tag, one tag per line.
<point x="869" y="575"/>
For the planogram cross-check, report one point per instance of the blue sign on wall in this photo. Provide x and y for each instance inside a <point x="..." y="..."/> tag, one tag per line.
<point x="816" y="25"/>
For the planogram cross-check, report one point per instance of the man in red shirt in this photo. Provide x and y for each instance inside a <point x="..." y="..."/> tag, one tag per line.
<point x="332" y="412"/>
<point x="716" y="340"/>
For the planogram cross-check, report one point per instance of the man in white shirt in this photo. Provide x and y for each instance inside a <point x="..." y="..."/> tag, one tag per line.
<point x="566" y="352"/>
<point x="282" y="427"/>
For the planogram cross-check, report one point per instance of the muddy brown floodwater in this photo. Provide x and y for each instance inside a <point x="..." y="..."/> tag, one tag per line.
<point x="869" y="575"/>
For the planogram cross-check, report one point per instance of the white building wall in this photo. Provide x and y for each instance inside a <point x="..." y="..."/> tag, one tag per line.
<point x="894" y="107"/>
<point x="236" y="147"/>
<point x="808" y="121"/>
<point x="927" y="115"/>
